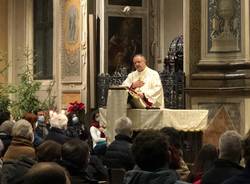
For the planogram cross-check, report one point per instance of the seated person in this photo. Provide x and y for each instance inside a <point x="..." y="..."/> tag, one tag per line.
<point x="75" y="158"/>
<point x="22" y="141"/>
<point x="118" y="154"/>
<point x="57" y="132"/>
<point x="46" y="172"/>
<point x="177" y="162"/>
<point x="145" y="82"/>
<point x="97" y="134"/>
<point x="228" y="163"/>
<point x="244" y="177"/>
<point x="41" y="129"/>
<point x="151" y="153"/>
<point x="48" y="151"/>
<point x="203" y="162"/>
<point x="6" y="134"/>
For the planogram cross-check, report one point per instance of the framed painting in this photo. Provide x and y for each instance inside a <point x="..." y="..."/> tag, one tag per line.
<point x="126" y="2"/>
<point x="71" y="65"/>
<point x="124" y="40"/>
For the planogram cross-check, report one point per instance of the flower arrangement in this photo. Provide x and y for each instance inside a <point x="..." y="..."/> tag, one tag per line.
<point x="77" y="108"/>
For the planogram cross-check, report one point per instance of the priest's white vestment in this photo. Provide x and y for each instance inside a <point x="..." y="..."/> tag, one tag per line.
<point x="152" y="87"/>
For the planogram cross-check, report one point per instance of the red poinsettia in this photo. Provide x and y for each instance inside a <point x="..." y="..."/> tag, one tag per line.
<point x="76" y="107"/>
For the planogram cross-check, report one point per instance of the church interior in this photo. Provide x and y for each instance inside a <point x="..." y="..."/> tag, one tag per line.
<point x="66" y="51"/>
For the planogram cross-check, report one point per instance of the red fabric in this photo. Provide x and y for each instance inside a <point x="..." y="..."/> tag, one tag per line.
<point x="197" y="182"/>
<point x="97" y="125"/>
<point x="197" y="179"/>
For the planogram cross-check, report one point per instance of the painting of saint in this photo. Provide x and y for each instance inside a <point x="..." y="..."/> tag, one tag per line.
<point x="124" y="41"/>
<point x="72" y="15"/>
<point x="71" y="26"/>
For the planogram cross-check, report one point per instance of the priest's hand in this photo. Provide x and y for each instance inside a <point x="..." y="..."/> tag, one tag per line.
<point x="137" y="84"/>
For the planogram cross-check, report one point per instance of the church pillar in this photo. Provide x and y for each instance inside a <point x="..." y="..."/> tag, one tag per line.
<point x="219" y="64"/>
<point x="4" y="40"/>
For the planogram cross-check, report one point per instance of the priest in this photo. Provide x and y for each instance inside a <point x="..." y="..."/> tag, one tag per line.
<point x="146" y="82"/>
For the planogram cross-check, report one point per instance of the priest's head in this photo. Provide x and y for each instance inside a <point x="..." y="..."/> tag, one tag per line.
<point x="139" y="62"/>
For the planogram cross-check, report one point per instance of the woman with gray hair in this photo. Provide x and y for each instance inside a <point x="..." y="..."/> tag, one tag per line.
<point x="118" y="154"/>
<point x="58" y="123"/>
<point x="22" y="142"/>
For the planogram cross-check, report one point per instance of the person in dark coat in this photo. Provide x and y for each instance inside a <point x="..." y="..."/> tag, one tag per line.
<point x="119" y="154"/>
<point x="229" y="158"/>
<point x="46" y="173"/>
<point x="96" y="169"/>
<point x="76" y="128"/>
<point x="14" y="170"/>
<point x="4" y="116"/>
<point x="75" y="156"/>
<point x="49" y="151"/>
<point x="244" y="176"/>
<point x="6" y="134"/>
<point x="58" y="124"/>
<point x="203" y="162"/>
<point x="41" y="129"/>
<point x="151" y="153"/>
<point x="177" y="162"/>
<point x="22" y="142"/>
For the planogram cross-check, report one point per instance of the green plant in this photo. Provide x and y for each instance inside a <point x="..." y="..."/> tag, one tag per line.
<point x="25" y="98"/>
<point x="49" y="102"/>
<point x="24" y="94"/>
<point x="4" y="98"/>
<point x="4" y="103"/>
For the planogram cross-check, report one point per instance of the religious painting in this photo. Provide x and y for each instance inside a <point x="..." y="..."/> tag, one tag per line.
<point x="71" y="68"/>
<point x="224" y="25"/>
<point x="125" y="2"/>
<point x="124" y="41"/>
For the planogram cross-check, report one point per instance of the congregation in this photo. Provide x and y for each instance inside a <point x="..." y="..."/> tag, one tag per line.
<point x="60" y="150"/>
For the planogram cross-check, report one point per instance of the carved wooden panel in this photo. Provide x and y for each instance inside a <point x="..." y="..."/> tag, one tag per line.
<point x="126" y="2"/>
<point x="69" y="97"/>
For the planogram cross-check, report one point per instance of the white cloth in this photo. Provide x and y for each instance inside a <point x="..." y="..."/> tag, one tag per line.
<point x="116" y="108"/>
<point x="96" y="135"/>
<point x="152" y="87"/>
<point x="185" y="120"/>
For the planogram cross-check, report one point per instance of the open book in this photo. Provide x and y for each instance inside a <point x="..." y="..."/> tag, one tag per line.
<point x="137" y="101"/>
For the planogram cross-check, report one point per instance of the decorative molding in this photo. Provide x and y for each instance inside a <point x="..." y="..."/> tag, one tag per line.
<point x="226" y="91"/>
<point x="224" y="25"/>
<point x="84" y="50"/>
<point x="154" y="31"/>
<point x="223" y="32"/>
<point x="112" y="7"/>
